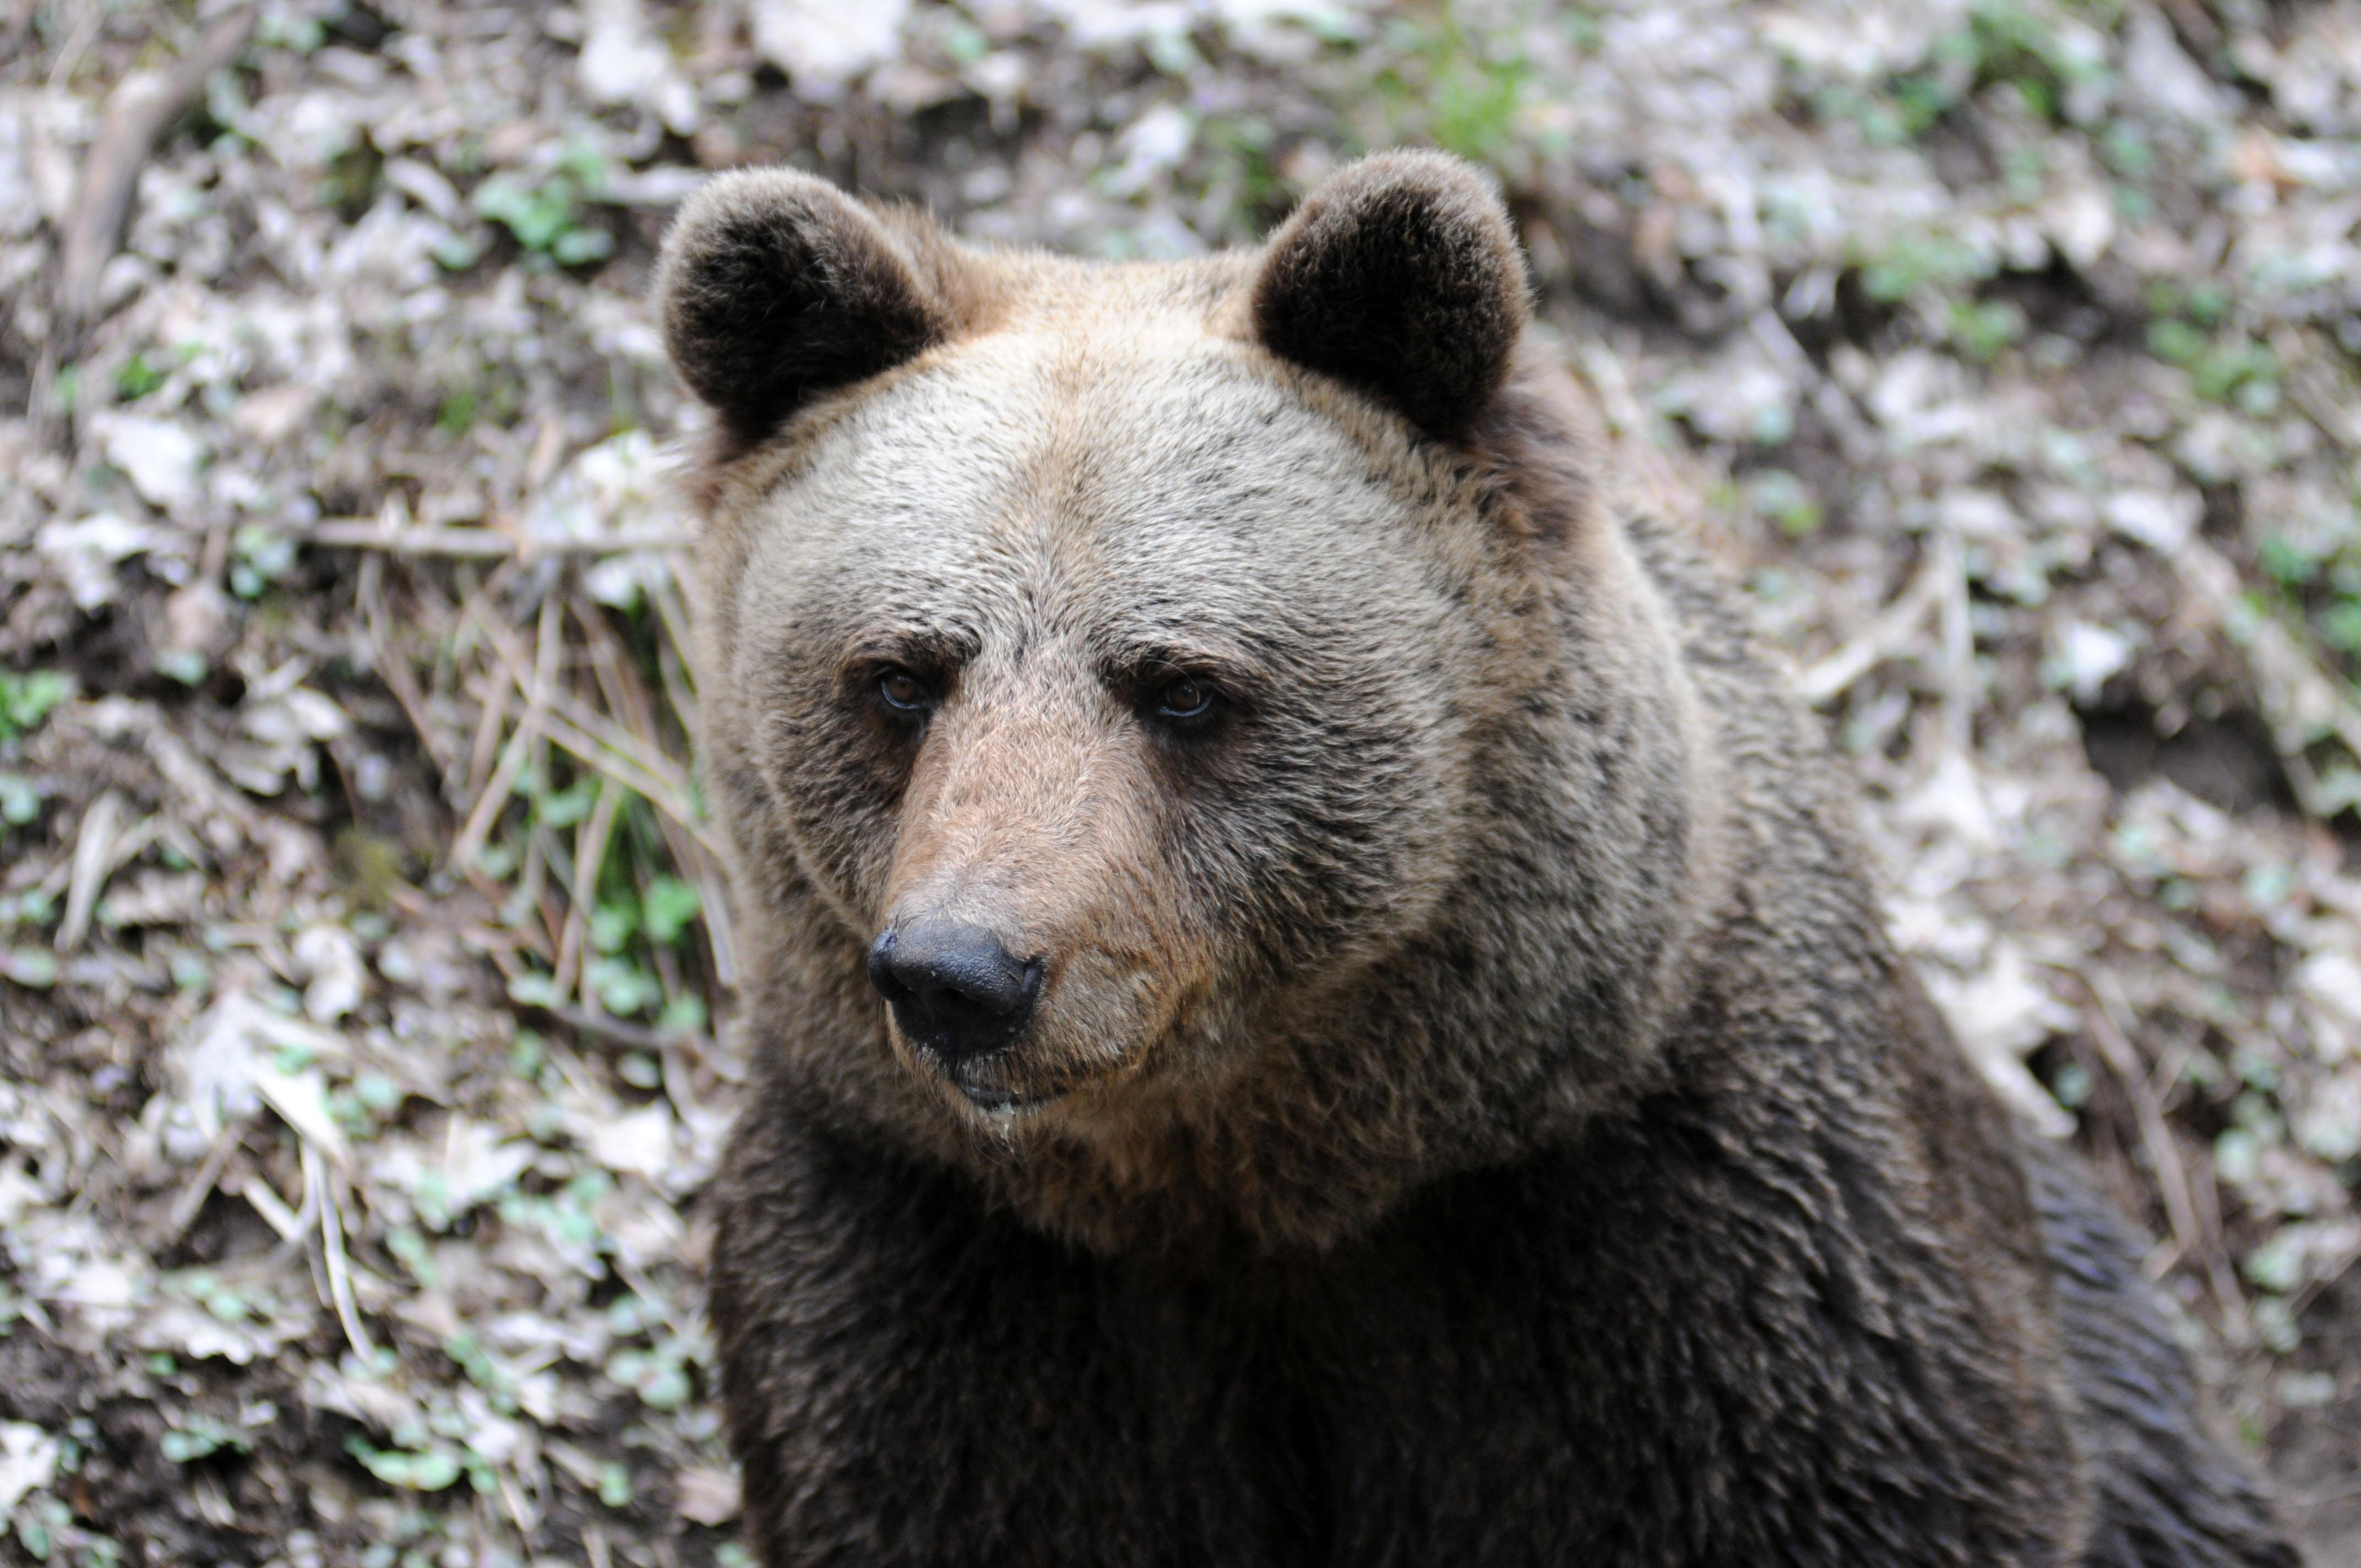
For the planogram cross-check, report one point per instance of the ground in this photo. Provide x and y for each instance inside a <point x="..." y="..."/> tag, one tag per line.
<point x="361" y="945"/>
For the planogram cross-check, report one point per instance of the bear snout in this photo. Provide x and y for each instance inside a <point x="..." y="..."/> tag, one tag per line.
<point x="956" y="991"/>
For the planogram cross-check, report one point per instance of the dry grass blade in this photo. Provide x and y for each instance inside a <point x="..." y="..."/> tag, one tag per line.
<point x="319" y="1183"/>
<point x="590" y="857"/>
<point x="694" y="850"/>
<point x="514" y="757"/>
<point x="596" y="740"/>
<point x="394" y="670"/>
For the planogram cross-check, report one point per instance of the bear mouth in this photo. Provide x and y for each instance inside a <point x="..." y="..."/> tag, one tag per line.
<point x="987" y="1083"/>
<point x="1004" y="1102"/>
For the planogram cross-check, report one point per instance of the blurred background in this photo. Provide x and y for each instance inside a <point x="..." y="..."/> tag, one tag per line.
<point x="362" y="947"/>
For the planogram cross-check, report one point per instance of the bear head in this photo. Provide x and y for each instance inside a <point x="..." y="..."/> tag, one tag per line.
<point x="1144" y="700"/>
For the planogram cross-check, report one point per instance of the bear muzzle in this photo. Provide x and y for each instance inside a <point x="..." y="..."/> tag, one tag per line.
<point x="960" y="998"/>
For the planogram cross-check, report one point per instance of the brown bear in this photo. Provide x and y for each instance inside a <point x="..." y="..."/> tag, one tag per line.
<point x="1310" y="997"/>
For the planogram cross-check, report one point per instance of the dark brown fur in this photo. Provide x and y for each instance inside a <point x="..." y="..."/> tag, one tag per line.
<point x="1480" y="1118"/>
<point x="790" y="290"/>
<point x="1390" y="279"/>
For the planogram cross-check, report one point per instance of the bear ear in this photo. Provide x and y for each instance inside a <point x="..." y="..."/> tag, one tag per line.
<point x="1401" y="275"/>
<point x="775" y="288"/>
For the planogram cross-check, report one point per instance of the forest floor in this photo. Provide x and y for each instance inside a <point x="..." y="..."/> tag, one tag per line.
<point x="362" y="949"/>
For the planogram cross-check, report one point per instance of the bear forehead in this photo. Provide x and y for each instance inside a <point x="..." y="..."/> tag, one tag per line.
<point x="1123" y="448"/>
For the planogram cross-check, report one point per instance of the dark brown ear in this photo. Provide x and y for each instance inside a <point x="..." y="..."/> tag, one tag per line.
<point x="775" y="288"/>
<point x="1399" y="276"/>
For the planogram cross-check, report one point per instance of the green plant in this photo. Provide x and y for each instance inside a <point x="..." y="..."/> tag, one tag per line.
<point x="1448" y="84"/>
<point x="200" y="1435"/>
<point x="565" y="808"/>
<point x="35" y="969"/>
<point x="134" y="378"/>
<point x="1923" y="260"/>
<point x="547" y="218"/>
<point x="27" y="698"/>
<point x="259" y="556"/>
<point x="1984" y="328"/>
<point x="422" y="1470"/>
<point x="1883" y="121"/>
<point x="352" y="178"/>
<point x="658" y="1376"/>
<point x="20" y="800"/>
<point x="1785" y="500"/>
<point x="457" y="415"/>
<point x="1241" y="169"/>
<point x="2004" y="44"/>
<point x="2221" y="365"/>
<point x="668" y="906"/>
<point x="624" y="987"/>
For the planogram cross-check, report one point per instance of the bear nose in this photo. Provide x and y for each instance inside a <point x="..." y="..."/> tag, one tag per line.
<point x="954" y="988"/>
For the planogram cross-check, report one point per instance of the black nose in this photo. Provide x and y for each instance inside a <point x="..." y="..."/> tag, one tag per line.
<point x="955" y="990"/>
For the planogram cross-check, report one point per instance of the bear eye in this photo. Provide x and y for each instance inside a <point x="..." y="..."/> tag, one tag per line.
<point x="904" y="692"/>
<point x="1187" y="697"/>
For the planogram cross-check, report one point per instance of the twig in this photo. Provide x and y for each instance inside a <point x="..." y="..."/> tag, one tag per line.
<point x="482" y="543"/>
<point x="665" y="789"/>
<point x="1958" y="646"/>
<point x="1885" y="637"/>
<point x="141" y="108"/>
<point x="626" y="693"/>
<point x="632" y="1274"/>
<point x="713" y="903"/>
<point x="532" y="895"/>
<point x="479" y="608"/>
<point x="77" y="43"/>
<point x="2319" y="403"/>
<point x="2225" y="1285"/>
<point x="264" y="1200"/>
<point x="614" y="1031"/>
<point x="2194" y="1215"/>
<point x="1832" y="402"/>
<point x="2198" y="32"/>
<point x="2323" y="1279"/>
<point x="2163" y="1154"/>
<point x="521" y="1511"/>
<point x="192" y="1198"/>
<point x="673" y="653"/>
<point x="198" y="787"/>
<point x="697" y="860"/>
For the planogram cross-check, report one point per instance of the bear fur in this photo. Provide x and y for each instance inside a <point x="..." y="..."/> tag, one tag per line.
<point x="1469" y="1111"/>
